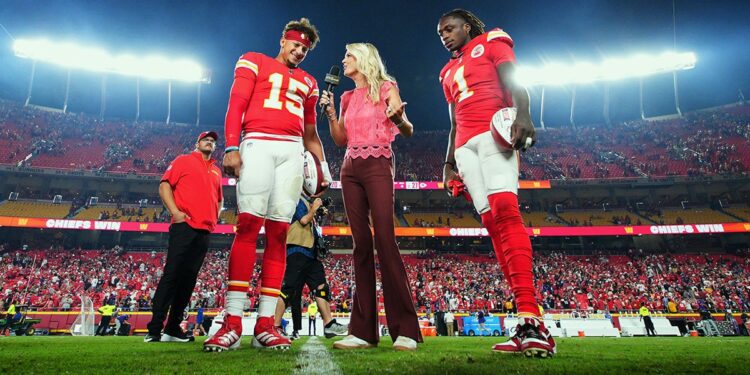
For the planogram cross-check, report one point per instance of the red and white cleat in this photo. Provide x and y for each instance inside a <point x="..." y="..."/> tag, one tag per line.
<point x="227" y="337"/>
<point x="512" y="346"/>
<point x="268" y="337"/>
<point x="551" y="340"/>
<point x="535" y="343"/>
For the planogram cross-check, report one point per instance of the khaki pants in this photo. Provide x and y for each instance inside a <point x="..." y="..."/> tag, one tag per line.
<point x="450" y="328"/>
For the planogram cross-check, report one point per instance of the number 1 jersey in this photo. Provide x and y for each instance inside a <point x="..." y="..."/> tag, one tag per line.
<point x="269" y="97"/>
<point x="470" y="81"/>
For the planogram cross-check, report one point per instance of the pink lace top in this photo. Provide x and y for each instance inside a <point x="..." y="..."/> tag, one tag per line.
<point x="369" y="132"/>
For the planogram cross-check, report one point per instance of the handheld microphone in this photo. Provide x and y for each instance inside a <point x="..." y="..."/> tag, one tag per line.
<point x="332" y="80"/>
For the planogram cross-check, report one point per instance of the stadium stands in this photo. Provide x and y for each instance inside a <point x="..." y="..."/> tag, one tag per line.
<point x="457" y="282"/>
<point x="83" y="142"/>
<point x="599" y="217"/>
<point x="541" y="219"/>
<point x="740" y="212"/>
<point x="123" y="213"/>
<point x="34" y="209"/>
<point x="686" y="146"/>
<point x="228" y="216"/>
<point x="691" y="216"/>
<point x="462" y="219"/>
<point x="442" y="219"/>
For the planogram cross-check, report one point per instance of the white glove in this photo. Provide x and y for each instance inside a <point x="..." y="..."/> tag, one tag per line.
<point x="326" y="172"/>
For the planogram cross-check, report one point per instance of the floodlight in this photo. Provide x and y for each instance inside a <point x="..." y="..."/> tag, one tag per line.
<point x="639" y="65"/>
<point x="74" y="56"/>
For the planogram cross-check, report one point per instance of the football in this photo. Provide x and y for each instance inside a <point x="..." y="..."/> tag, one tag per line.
<point x="313" y="175"/>
<point x="500" y="127"/>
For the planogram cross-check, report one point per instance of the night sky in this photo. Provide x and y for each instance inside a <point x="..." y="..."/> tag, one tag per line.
<point x="216" y="33"/>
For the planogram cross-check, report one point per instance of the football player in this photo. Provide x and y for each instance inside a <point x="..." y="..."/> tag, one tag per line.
<point x="270" y="121"/>
<point x="478" y="82"/>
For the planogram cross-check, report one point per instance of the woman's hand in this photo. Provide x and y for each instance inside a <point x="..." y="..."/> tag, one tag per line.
<point x="396" y="114"/>
<point x="327" y="103"/>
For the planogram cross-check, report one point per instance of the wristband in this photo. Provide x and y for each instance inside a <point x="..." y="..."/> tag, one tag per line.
<point x="231" y="149"/>
<point x="450" y="163"/>
<point x="401" y="124"/>
<point x="326" y="171"/>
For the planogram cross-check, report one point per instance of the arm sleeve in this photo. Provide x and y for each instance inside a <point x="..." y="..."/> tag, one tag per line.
<point x="345" y="102"/>
<point x="386" y="87"/>
<point x="500" y="52"/>
<point x="310" y="111"/>
<point x="245" y="75"/>
<point x="174" y="172"/>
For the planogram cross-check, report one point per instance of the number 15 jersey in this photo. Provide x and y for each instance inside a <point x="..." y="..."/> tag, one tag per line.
<point x="269" y="97"/>
<point x="470" y="81"/>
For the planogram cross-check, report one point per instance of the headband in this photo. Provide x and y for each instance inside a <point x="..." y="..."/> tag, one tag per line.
<point x="298" y="36"/>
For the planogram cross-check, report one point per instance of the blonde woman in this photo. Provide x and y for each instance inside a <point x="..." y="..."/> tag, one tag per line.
<point x="371" y="116"/>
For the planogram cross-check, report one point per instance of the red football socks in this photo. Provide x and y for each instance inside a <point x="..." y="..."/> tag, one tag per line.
<point x="242" y="256"/>
<point x="489" y="223"/>
<point x="516" y="247"/>
<point x="274" y="258"/>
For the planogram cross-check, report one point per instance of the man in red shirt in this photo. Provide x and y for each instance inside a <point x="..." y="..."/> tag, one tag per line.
<point x="478" y="85"/>
<point x="270" y="121"/>
<point x="191" y="191"/>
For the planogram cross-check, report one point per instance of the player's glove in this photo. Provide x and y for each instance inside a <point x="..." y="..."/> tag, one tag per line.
<point x="459" y="188"/>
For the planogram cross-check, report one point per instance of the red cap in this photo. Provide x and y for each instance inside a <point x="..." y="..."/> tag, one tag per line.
<point x="298" y="37"/>
<point x="208" y="134"/>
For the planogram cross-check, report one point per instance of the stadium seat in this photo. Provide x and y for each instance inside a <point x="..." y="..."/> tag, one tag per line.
<point x="692" y="216"/>
<point x="540" y="219"/>
<point x="439" y="219"/>
<point x="34" y="209"/>
<point x="743" y="212"/>
<point x="598" y="217"/>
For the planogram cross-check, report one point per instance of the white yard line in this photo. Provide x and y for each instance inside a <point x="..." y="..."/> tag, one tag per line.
<point x="314" y="358"/>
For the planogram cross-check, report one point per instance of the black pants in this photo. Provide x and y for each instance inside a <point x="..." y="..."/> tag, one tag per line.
<point x="103" y="326"/>
<point x="301" y="270"/>
<point x="124" y="329"/>
<point x="442" y="329"/>
<point x="312" y="327"/>
<point x="187" y="249"/>
<point x="649" y="326"/>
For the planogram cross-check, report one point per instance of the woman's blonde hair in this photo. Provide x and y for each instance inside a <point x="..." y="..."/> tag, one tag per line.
<point x="371" y="66"/>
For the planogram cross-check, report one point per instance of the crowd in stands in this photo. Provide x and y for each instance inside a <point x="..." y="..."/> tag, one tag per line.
<point x="84" y="142"/>
<point x="136" y="214"/>
<point x="699" y="144"/>
<point x="57" y="278"/>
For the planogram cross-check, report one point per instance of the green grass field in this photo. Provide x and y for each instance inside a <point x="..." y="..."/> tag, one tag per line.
<point x="460" y="355"/>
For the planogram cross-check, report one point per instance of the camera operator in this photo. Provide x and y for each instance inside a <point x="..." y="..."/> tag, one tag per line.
<point x="304" y="250"/>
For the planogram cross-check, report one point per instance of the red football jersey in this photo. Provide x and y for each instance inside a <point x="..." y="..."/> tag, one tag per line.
<point x="269" y="97"/>
<point x="470" y="81"/>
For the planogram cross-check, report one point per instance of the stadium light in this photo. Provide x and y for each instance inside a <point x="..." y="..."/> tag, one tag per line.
<point x="641" y="65"/>
<point x="75" y="56"/>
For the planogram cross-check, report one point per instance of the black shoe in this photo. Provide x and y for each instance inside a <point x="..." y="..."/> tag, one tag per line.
<point x="294" y="336"/>
<point x="178" y="336"/>
<point x="152" y="338"/>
